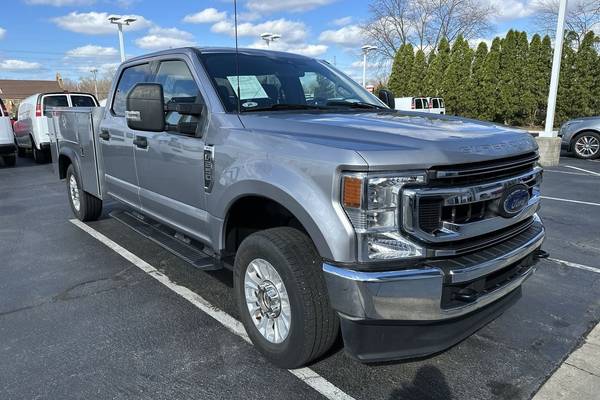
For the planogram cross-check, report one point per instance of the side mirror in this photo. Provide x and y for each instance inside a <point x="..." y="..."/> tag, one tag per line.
<point x="387" y="97"/>
<point x="146" y="108"/>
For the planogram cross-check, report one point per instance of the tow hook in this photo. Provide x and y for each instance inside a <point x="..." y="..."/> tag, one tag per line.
<point x="539" y="254"/>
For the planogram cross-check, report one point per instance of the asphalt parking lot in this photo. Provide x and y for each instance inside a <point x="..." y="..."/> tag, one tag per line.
<point x="78" y="320"/>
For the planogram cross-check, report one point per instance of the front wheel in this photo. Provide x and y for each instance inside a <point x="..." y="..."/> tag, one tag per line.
<point x="587" y="145"/>
<point x="282" y="297"/>
<point x="85" y="206"/>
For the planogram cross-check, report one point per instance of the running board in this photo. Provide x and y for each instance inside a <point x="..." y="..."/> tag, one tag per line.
<point x="169" y="239"/>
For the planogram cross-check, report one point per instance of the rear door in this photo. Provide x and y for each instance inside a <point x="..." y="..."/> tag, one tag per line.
<point x="116" y="139"/>
<point x="170" y="163"/>
<point x="6" y="135"/>
<point x="41" y="123"/>
<point x="83" y="100"/>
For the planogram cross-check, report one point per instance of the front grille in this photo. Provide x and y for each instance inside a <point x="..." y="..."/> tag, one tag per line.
<point x="482" y="171"/>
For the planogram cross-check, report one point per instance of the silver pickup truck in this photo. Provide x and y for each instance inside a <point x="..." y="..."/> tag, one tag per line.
<point x="407" y="232"/>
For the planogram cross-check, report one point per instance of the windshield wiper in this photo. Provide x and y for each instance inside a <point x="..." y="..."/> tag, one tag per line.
<point x="284" y="107"/>
<point x="354" y="104"/>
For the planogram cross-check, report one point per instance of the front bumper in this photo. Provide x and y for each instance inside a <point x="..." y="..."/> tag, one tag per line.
<point x="439" y="294"/>
<point x="7" y="149"/>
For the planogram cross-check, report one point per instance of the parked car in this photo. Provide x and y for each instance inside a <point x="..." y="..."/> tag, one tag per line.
<point x="409" y="231"/>
<point x="420" y="104"/>
<point x="582" y="137"/>
<point x="436" y="105"/>
<point x="31" y="128"/>
<point x="7" y="145"/>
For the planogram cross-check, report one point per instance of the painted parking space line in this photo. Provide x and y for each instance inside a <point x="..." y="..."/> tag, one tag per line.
<point x="307" y="375"/>
<point x="570" y="201"/>
<point x="583" y="170"/>
<point x="575" y="265"/>
<point x="565" y="172"/>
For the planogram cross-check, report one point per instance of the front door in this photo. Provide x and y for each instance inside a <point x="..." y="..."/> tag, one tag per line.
<point x="170" y="163"/>
<point x="116" y="140"/>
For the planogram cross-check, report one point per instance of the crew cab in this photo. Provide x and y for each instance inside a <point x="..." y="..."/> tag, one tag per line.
<point x="31" y="128"/>
<point x="403" y="231"/>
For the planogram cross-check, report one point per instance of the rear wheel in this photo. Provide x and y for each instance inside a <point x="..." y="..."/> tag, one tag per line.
<point x="282" y="297"/>
<point x="587" y="145"/>
<point x="10" y="161"/>
<point x="85" y="206"/>
<point x="21" y="151"/>
<point x="40" y="156"/>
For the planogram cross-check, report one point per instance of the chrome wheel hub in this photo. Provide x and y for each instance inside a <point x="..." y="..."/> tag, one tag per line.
<point x="267" y="300"/>
<point x="74" y="192"/>
<point x="587" y="146"/>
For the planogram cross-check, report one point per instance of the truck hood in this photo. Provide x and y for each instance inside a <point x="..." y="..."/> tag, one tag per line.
<point x="401" y="139"/>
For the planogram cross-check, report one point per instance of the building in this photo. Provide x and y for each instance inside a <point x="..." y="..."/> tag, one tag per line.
<point x="12" y="91"/>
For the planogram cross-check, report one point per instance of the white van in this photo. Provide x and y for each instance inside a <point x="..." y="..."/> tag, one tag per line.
<point x="7" y="145"/>
<point x="436" y="105"/>
<point x="420" y="104"/>
<point x="31" y="128"/>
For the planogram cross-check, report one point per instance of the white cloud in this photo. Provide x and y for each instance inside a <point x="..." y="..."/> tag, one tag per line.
<point x="348" y="36"/>
<point x="271" y="6"/>
<point x="103" y="69"/>
<point x="60" y="3"/>
<point x="2" y="32"/>
<point x="305" y="49"/>
<point x="96" y="23"/>
<point x="206" y="16"/>
<point x="91" y="50"/>
<point x="19" y="65"/>
<point x="342" y="21"/>
<point x="511" y="9"/>
<point x="291" y="31"/>
<point x="165" y="38"/>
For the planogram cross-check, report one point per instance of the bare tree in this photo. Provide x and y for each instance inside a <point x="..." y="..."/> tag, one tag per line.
<point x="582" y="17"/>
<point x="423" y="23"/>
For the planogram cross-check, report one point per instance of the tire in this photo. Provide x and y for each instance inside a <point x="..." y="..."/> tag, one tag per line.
<point x="586" y="145"/>
<point x="10" y="161"/>
<point x="85" y="206"/>
<point x="313" y="325"/>
<point x="40" y="156"/>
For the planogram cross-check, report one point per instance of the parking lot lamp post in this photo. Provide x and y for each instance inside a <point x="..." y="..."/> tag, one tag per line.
<point x="270" y="37"/>
<point x="120" y="21"/>
<point x="366" y="49"/>
<point x="548" y="141"/>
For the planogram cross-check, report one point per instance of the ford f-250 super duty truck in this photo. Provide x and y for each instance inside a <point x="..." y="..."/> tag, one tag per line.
<point x="408" y="231"/>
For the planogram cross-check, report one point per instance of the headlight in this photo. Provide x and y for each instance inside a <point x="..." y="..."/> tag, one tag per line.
<point x="372" y="205"/>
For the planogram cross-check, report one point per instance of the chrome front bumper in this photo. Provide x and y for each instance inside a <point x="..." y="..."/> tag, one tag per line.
<point x="416" y="294"/>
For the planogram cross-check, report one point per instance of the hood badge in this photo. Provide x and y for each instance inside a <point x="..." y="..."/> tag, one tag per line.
<point x="502" y="147"/>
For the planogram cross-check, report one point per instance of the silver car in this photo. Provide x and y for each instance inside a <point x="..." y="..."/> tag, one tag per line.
<point x="582" y="137"/>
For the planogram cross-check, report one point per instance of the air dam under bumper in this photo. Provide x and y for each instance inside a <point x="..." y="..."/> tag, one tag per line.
<point x="392" y="315"/>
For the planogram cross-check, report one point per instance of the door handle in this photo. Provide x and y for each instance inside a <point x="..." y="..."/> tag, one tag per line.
<point x="141" y="142"/>
<point x="104" y="134"/>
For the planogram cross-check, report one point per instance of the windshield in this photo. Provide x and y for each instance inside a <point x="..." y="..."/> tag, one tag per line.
<point x="278" y="82"/>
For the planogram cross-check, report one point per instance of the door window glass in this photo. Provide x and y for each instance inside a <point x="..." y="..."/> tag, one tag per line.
<point x="129" y="78"/>
<point x="178" y="87"/>
<point x="82" y="101"/>
<point x="435" y="103"/>
<point x="54" y="101"/>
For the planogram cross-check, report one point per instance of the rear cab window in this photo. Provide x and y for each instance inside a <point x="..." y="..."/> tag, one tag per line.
<point x="54" y="100"/>
<point x="129" y="78"/>
<point x="81" y="100"/>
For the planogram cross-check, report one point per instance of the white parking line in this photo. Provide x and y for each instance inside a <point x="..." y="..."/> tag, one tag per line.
<point x="565" y="172"/>
<point x="570" y="201"/>
<point x="575" y="265"/>
<point x="307" y="375"/>
<point x="583" y="170"/>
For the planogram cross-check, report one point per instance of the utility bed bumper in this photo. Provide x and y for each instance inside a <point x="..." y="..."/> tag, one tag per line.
<point x="415" y="312"/>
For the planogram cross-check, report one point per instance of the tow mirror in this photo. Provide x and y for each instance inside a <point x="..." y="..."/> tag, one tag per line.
<point x="146" y="108"/>
<point x="387" y="97"/>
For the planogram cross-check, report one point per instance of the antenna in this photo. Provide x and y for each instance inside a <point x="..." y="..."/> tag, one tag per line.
<point x="237" y="61"/>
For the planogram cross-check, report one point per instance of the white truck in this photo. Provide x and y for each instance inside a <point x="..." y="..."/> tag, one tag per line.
<point x="7" y="145"/>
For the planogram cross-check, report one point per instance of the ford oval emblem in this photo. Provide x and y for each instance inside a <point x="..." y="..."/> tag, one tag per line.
<point x="514" y="200"/>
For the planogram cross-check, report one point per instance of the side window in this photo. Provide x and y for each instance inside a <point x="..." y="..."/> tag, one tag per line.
<point x="178" y="87"/>
<point x="129" y="78"/>
<point x="435" y="103"/>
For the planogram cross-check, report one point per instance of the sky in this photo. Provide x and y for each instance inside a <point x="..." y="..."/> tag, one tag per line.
<point x="39" y="38"/>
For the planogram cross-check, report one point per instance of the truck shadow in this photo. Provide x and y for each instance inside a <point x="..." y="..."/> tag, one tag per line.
<point x="429" y="384"/>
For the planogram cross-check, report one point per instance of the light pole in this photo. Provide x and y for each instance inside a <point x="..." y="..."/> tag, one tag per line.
<point x="270" y="37"/>
<point x="120" y="21"/>
<point x="94" y="71"/>
<point x="366" y="49"/>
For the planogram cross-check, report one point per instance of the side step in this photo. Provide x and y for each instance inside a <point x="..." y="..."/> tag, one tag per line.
<point x="169" y="239"/>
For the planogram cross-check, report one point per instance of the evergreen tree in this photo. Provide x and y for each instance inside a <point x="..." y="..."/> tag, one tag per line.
<point x="584" y="77"/>
<point x="539" y="66"/>
<point x="564" y="101"/>
<point x="489" y="91"/>
<point x="513" y="59"/>
<point x="416" y="86"/>
<point x="457" y="75"/>
<point x="437" y="69"/>
<point x="477" y="81"/>
<point x="401" y="71"/>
